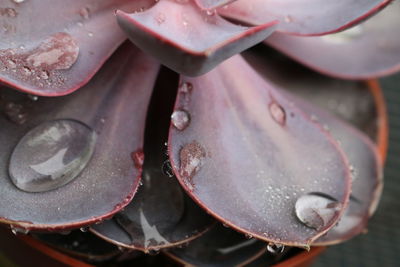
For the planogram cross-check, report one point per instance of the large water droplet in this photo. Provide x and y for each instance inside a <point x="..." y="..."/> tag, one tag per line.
<point x="180" y="119"/>
<point x="316" y="210"/>
<point x="51" y="155"/>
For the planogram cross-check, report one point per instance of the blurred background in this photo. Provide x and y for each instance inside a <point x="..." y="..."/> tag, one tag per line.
<point x="381" y="246"/>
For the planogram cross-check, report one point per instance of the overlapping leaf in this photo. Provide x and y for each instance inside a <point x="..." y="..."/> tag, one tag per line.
<point x="371" y="49"/>
<point x="50" y="47"/>
<point x="304" y="17"/>
<point x="187" y="39"/>
<point x="248" y="155"/>
<point x="113" y="105"/>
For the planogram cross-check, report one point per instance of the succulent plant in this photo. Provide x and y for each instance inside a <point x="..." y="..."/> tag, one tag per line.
<point x="278" y="154"/>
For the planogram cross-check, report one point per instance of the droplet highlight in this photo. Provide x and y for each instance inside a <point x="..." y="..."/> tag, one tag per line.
<point x="51" y="155"/>
<point x="316" y="210"/>
<point x="275" y="248"/>
<point x="277" y="112"/>
<point x="180" y="119"/>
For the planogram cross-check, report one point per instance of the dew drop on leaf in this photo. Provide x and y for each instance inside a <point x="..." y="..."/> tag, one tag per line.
<point x="51" y="155"/>
<point x="167" y="169"/>
<point x="275" y="248"/>
<point x="316" y="210"/>
<point x="277" y="113"/>
<point x="180" y="119"/>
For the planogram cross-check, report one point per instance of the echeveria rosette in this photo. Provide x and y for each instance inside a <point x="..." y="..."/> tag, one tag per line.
<point x="256" y="158"/>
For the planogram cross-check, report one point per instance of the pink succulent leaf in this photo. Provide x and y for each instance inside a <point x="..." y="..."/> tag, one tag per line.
<point x="246" y="148"/>
<point x="304" y="17"/>
<point x="374" y="47"/>
<point x="367" y="176"/>
<point x="114" y="108"/>
<point x="224" y="248"/>
<point x="52" y="48"/>
<point x="336" y="98"/>
<point x="186" y="39"/>
<point x="160" y="215"/>
<point x="212" y="4"/>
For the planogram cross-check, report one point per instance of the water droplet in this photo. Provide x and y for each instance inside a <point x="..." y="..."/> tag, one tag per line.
<point x="84" y="229"/>
<point x="85" y="12"/>
<point x="248" y="236"/>
<point x="51" y="155"/>
<point x="9" y="12"/>
<point x="15" y="113"/>
<point x="288" y="19"/>
<point x="316" y="210"/>
<point x="18" y="1"/>
<point x="180" y="119"/>
<point x="275" y="248"/>
<point x="277" y="113"/>
<point x="90" y="34"/>
<point x="11" y="64"/>
<point x="167" y="169"/>
<point x="138" y="158"/>
<point x="33" y="97"/>
<point x="186" y="88"/>
<point x="160" y="18"/>
<point x="44" y="75"/>
<point x="26" y="71"/>
<point x="210" y="12"/>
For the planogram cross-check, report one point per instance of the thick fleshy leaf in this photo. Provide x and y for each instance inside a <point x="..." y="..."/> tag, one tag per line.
<point x="219" y="247"/>
<point x="366" y="167"/>
<point x="81" y="245"/>
<point x="212" y="4"/>
<point x="337" y="97"/>
<point x="113" y="105"/>
<point x="304" y="17"/>
<point x="374" y="47"/>
<point x="52" y="48"/>
<point x="187" y="39"/>
<point x="248" y="156"/>
<point x="160" y="215"/>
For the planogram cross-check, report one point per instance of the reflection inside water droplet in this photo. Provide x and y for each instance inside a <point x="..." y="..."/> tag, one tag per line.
<point x="167" y="169"/>
<point x="275" y="248"/>
<point x="51" y="155"/>
<point x="180" y="119"/>
<point x="316" y="210"/>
